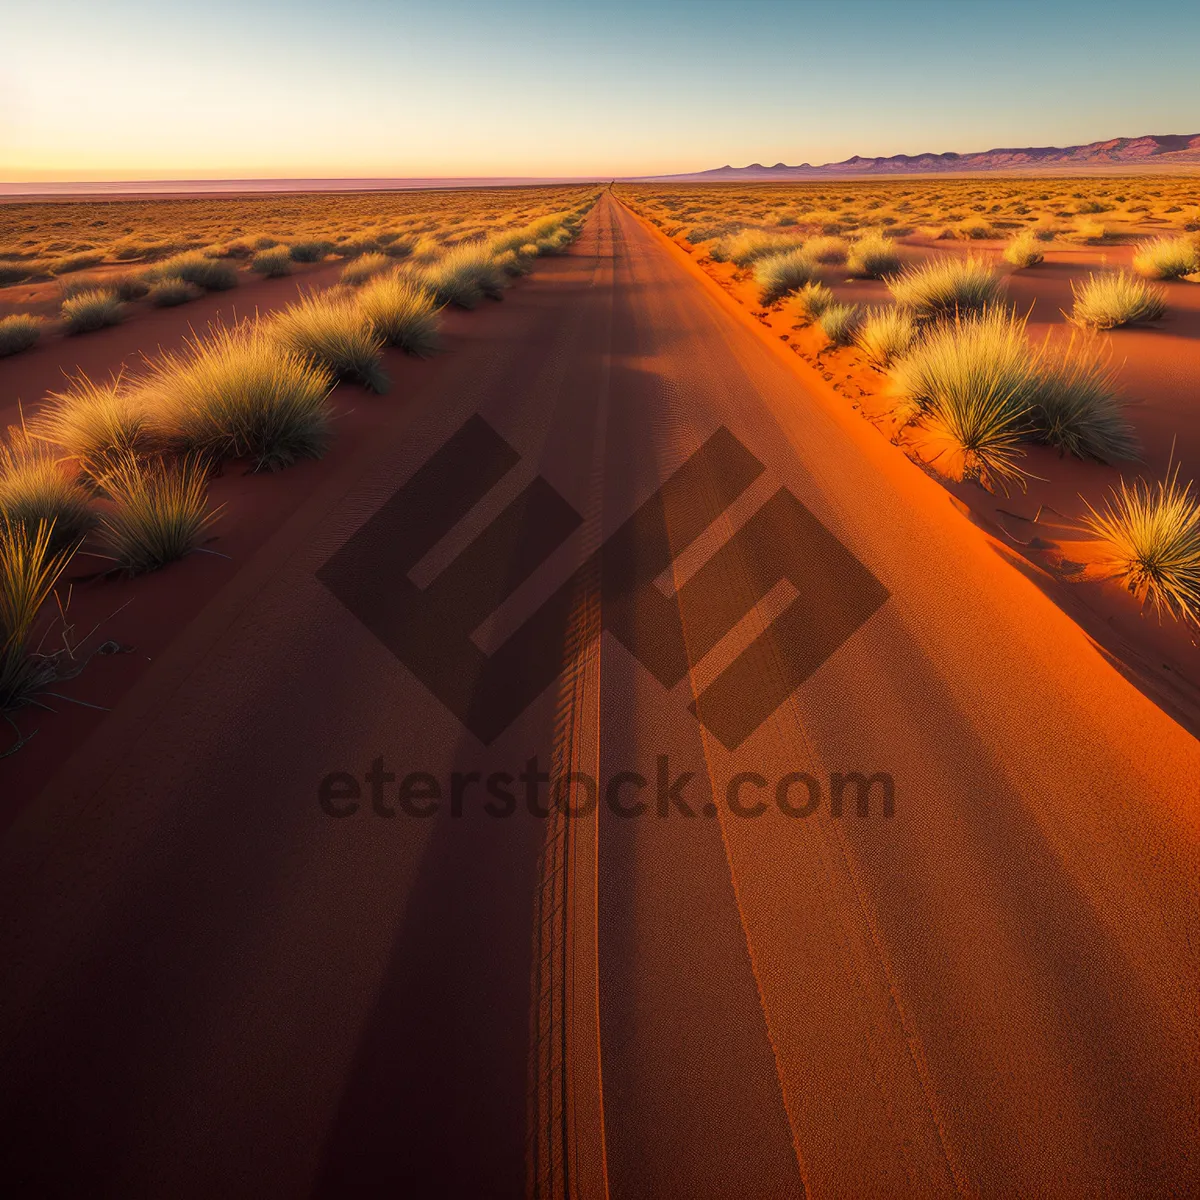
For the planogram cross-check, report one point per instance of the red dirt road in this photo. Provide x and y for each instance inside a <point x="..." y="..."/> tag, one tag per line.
<point x="214" y="987"/>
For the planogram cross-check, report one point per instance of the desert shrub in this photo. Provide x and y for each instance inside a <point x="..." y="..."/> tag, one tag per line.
<point x="128" y="287"/>
<point x="82" y="283"/>
<point x="264" y="243"/>
<point x="1152" y="537"/>
<point x="240" y="393"/>
<point x="332" y="332"/>
<point x="170" y="290"/>
<point x="839" y="323"/>
<point x="212" y="274"/>
<point x="744" y="248"/>
<point x="886" y="334"/>
<point x="975" y="229"/>
<point x="75" y="262"/>
<point x="30" y="568"/>
<point x="305" y="252"/>
<point x="36" y="490"/>
<point x="514" y="263"/>
<point x="273" y="263"/>
<point x="1114" y="298"/>
<point x="88" y="311"/>
<point x="1075" y="405"/>
<point x="1023" y="250"/>
<point x="359" y="270"/>
<point x="231" y="250"/>
<point x="1089" y="233"/>
<point x="18" y="332"/>
<point x="95" y="423"/>
<point x="827" y="249"/>
<point x="873" y="256"/>
<point x="464" y="275"/>
<point x="19" y="272"/>
<point x="811" y="301"/>
<point x="159" y="512"/>
<point x="402" y="313"/>
<point x="1167" y="258"/>
<point x="970" y="383"/>
<point x="778" y="275"/>
<point x="946" y="285"/>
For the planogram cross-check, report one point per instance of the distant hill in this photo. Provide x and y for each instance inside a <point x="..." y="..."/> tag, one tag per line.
<point x="1154" y="152"/>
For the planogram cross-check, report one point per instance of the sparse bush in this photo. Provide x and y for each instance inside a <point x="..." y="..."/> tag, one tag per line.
<point x="839" y="323"/>
<point x="464" y="275"/>
<point x="89" y="311"/>
<point x="333" y="332"/>
<point x="947" y="285"/>
<point x="159" y="512"/>
<point x="1167" y="258"/>
<point x="873" y="256"/>
<point x="240" y="393"/>
<point x="742" y="249"/>
<point x="95" y="423"/>
<point x="970" y="382"/>
<point x="827" y="249"/>
<point x="170" y="290"/>
<point x="35" y="490"/>
<point x="273" y="263"/>
<point x="18" y="332"/>
<point x="886" y="334"/>
<point x="812" y="300"/>
<point x="1075" y="405"/>
<point x="212" y="274"/>
<point x="29" y="570"/>
<point x="1114" y="298"/>
<point x="1152" y="536"/>
<point x="402" y="313"/>
<point x="306" y="252"/>
<point x="1024" y="250"/>
<point x="778" y="275"/>
<point x="367" y="267"/>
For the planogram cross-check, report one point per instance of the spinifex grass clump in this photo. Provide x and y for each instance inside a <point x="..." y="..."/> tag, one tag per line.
<point x="827" y="249"/>
<point x="29" y="570"/>
<point x="212" y="274"/>
<point x="95" y="424"/>
<point x="1152" y="537"/>
<point x="947" y="285"/>
<point x="359" y="270"/>
<point x="812" y="300"/>
<point x="1167" y="258"/>
<point x="36" y="490"/>
<point x="308" y="251"/>
<point x="969" y="382"/>
<point x="886" y="334"/>
<point x="240" y="393"/>
<point x="93" y="310"/>
<point x="873" y="256"/>
<point x="778" y="275"/>
<point x="273" y="263"/>
<point x="332" y="331"/>
<point x="19" y="332"/>
<point x="402" y="313"/>
<point x="464" y="275"/>
<point x="170" y="291"/>
<point x="1076" y="406"/>
<point x="746" y="247"/>
<point x="1115" y="298"/>
<point x="159" y="512"/>
<point x="1024" y="250"/>
<point x="839" y="323"/>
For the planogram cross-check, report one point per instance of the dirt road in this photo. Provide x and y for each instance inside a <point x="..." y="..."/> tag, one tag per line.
<point x="287" y="924"/>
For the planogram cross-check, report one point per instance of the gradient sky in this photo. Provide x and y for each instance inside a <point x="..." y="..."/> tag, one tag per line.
<point x="128" y="89"/>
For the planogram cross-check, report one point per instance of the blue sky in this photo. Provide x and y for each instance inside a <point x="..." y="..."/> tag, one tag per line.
<point x="132" y="88"/>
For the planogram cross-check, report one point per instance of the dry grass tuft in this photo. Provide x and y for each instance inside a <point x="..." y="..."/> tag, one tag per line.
<point x="272" y="263"/>
<point x="333" y="332"/>
<point x="947" y="285"/>
<point x="19" y="332"/>
<point x="886" y="334"/>
<point x="873" y="256"/>
<point x="95" y="424"/>
<point x="1167" y="258"/>
<point x="1152" y="536"/>
<point x="402" y="313"/>
<point x="778" y="275"/>
<point x="1024" y="250"/>
<point x="1115" y="298"/>
<point x="840" y="322"/>
<point x="35" y="490"/>
<point x="89" y="311"/>
<point x="359" y="270"/>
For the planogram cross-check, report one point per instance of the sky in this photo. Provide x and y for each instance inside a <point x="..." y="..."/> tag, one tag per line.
<point x="158" y="89"/>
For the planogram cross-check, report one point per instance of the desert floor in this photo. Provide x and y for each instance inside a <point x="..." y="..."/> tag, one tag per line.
<point x="216" y="987"/>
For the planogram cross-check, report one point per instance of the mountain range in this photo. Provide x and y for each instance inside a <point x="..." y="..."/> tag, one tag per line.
<point x="1166" y="152"/>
